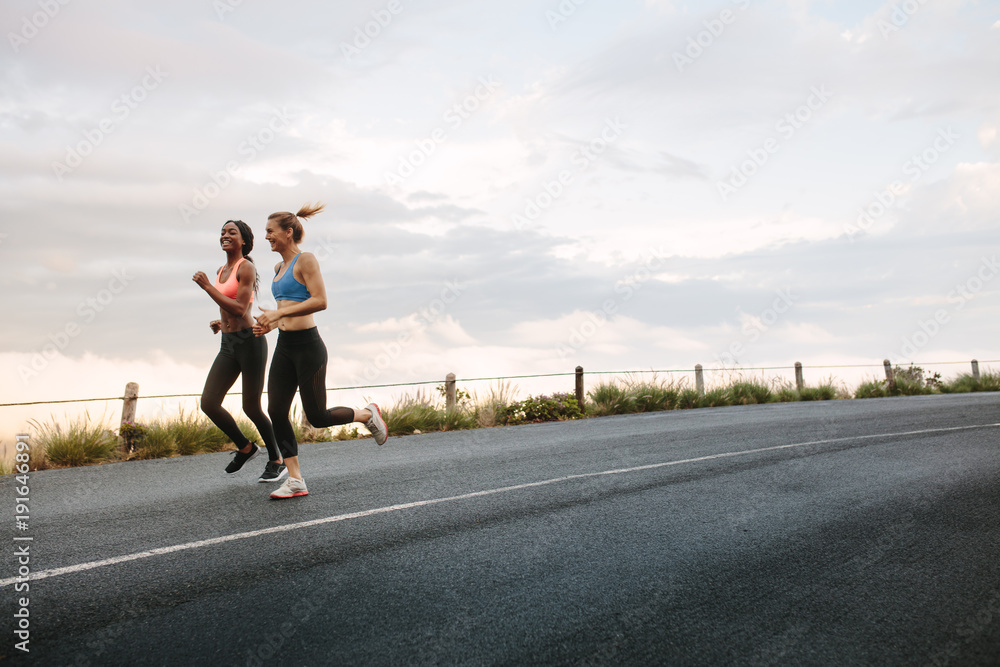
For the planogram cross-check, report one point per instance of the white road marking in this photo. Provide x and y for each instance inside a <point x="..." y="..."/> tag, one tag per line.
<point x="55" y="572"/>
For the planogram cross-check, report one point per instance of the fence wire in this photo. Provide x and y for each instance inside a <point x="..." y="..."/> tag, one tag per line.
<point x="508" y="377"/>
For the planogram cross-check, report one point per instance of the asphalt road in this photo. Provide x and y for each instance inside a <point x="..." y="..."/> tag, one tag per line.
<point x="861" y="532"/>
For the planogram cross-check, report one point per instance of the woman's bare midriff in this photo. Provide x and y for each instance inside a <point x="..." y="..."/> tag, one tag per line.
<point x="233" y="323"/>
<point x="297" y="322"/>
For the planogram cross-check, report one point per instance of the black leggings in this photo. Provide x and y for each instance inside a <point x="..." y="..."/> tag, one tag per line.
<point x="299" y="362"/>
<point x="241" y="352"/>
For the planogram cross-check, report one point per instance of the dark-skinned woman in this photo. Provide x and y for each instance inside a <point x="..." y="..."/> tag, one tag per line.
<point x="241" y="352"/>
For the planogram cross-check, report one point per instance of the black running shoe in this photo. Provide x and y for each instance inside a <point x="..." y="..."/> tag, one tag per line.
<point x="239" y="458"/>
<point x="273" y="472"/>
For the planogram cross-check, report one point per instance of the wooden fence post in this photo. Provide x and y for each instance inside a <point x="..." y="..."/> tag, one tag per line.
<point x="128" y="410"/>
<point x="890" y="377"/>
<point x="449" y="392"/>
<point x="699" y="379"/>
<point x="579" y="387"/>
<point x="799" y="382"/>
<point x="975" y="370"/>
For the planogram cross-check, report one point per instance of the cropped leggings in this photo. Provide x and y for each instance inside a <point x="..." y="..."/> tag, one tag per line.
<point x="241" y="353"/>
<point x="299" y="362"/>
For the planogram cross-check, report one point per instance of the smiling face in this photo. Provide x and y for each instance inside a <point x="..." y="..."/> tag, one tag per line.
<point x="231" y="239"/>
<point x="278" y="238"/>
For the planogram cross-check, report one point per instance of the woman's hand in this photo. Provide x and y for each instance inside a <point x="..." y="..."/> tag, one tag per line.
<point x="202" y="280"/>
<point x="216" y="326"/>
<point x="267" y="320"/>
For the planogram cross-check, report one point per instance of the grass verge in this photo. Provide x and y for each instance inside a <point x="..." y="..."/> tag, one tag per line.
<point x="87" y="441"/>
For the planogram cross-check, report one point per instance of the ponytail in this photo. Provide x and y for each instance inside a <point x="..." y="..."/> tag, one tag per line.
<point x="309" y="210"/>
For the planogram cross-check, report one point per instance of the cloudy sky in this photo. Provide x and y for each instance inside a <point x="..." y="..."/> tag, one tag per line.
<point x="512" y="187"/>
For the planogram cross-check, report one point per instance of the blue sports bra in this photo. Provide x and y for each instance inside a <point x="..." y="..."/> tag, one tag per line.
<point x="287" y="288"/>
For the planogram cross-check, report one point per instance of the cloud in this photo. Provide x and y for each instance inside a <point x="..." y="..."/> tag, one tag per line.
<point x="600" y="100"/>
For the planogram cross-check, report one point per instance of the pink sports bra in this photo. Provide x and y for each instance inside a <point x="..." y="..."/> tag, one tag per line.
<point x="231" y="285"/>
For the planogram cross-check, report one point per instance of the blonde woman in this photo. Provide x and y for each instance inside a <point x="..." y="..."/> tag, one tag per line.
<point x="300" y="356"/>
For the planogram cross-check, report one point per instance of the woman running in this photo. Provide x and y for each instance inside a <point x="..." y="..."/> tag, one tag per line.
<point x="300" y="357"/>
<point x="241" y="352"/>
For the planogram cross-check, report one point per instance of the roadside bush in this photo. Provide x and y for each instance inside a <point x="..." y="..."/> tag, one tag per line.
<point x="632" y="395"/>
<point x="966" y="382"/>
<point x="490" y="410"/>
<point x="155" y="442"/>
<point x="459" y="419"/>
<point x="786" y="394"/>
<point x="542" y="409"/>
<point x="989" y="382"/>
<point x="132" y="433"/>
<point x="688" y="399"/>
<point x="193" y="433"/>
<point x="715" y="398"/>
<point x="413" y="413"/>
<point x="81" y="443"/>
<point x="347" y="433"/>
<point x="187" y="432"/>
<point x="824" y="392"/>
<point x="654" y="397"/>
<point x="609" y="398"/>
<point x="746" y="392"/>
<point x="872" y="389"/>
<point x="910" y="382"/>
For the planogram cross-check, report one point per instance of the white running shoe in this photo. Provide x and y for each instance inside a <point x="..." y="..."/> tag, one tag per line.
<point x="376" y="424"/>
<point x="292" y="488"/>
